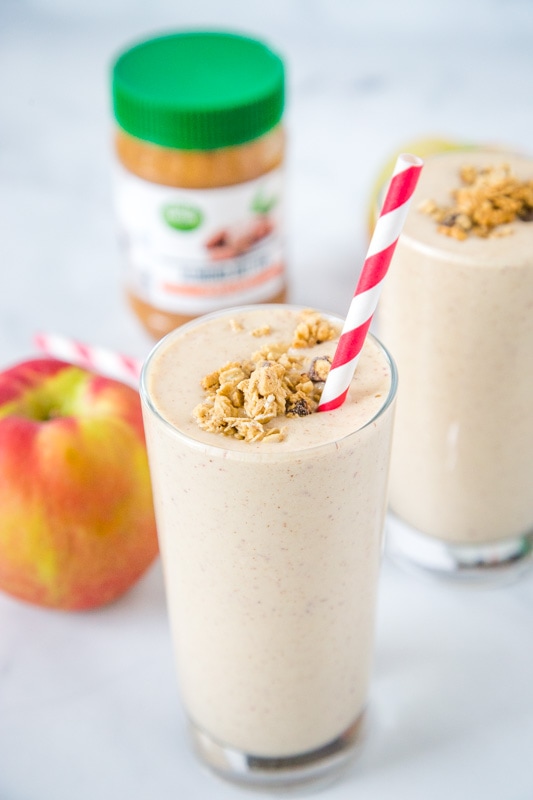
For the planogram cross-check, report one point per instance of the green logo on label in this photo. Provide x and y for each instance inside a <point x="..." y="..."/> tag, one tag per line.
<point x="182" y="217"/>
<point x="262" y="203"/>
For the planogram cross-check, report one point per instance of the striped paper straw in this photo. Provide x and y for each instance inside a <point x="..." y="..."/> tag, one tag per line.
<point x="97" y="359"/>
<point x="382" y="245"/>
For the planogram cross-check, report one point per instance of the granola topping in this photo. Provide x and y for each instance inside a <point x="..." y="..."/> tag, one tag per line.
<point x="264" y="331"/>
<point x="313" y="329"/>
<point x="489" y="200"/>
<point x="243" y="398"/>
<point x="319" y="369"/>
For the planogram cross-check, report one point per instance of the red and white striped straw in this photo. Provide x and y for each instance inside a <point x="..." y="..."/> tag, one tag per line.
<point x="98" y="359"/>
<point x="382" y="245"/>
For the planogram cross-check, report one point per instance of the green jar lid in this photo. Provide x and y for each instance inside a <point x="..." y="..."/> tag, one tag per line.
<point x="198" y="90"/>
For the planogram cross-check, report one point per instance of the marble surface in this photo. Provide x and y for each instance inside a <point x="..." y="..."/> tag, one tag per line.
<point x="88" y="702"/>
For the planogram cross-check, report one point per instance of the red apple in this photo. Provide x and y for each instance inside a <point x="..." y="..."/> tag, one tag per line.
<point x="77" y="525"/>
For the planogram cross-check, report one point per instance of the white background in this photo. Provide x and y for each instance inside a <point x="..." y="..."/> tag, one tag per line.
<point x="88" y="702"/>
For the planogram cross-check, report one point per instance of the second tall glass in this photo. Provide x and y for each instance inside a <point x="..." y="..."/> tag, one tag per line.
<point x="457" y="313"/>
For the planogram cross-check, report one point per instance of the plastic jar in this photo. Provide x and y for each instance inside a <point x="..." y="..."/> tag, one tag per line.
<point x="199" y="183"/>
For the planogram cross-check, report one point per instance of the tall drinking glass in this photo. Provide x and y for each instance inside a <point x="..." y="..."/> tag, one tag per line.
<point x="271" y="554"/>
<point x="457" y="313"/>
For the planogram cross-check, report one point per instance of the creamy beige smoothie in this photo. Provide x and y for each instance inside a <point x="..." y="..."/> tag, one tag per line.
<point x="457" y="314"/>
<point x="271" y="549"/>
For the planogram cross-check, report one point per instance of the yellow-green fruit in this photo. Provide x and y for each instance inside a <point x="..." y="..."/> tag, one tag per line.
<point x="423" y="147"/>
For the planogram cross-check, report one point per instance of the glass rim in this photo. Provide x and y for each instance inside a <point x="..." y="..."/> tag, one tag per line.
<point x="222" y="451"/>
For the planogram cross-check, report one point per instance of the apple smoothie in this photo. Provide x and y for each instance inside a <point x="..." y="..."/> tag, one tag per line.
<point x="457" y="313"/>
<point x="270" y="540"/>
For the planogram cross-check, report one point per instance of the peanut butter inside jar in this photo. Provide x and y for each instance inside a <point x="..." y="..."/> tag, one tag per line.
<point x="199" y="182"/>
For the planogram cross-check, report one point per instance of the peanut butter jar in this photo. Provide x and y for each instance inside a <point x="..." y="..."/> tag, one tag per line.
<point x="199" y="175"/>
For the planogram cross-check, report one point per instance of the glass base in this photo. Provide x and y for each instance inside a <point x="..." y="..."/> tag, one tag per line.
<point x="481" y="564"/>
<point x="314" y="767"/>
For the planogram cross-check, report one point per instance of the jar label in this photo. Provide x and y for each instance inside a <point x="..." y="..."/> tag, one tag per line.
<point x="191" y="251"/>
